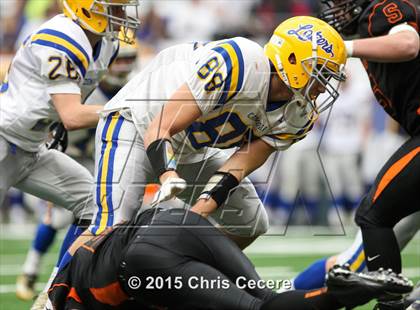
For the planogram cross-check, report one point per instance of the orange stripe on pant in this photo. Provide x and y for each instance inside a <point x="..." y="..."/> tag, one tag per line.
<point x="394" y="170"/>
<point x="316" y="292"/>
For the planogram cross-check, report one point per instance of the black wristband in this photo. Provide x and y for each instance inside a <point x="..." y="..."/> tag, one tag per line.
<point x="82" y="223"/>
<point x="219" y="187"/>
<point x="161" y="156"/>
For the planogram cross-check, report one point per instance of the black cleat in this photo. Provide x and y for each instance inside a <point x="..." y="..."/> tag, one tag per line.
<point x="394" y="303"/>
<point x="352" y="289"/>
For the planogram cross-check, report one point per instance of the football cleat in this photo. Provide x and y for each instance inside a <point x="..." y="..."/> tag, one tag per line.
<point x="395" y="303"/>
<point x="25" y="287"/>
<point x="353" y="289"/>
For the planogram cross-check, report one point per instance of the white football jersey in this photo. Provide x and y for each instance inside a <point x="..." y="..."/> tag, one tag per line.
<point x="229" y="80"/>
<point x="57" y="58"/>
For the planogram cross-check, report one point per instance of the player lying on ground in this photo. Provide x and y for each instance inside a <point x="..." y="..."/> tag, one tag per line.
<point x="176" y="259"/>
<point x="172" y="120"/>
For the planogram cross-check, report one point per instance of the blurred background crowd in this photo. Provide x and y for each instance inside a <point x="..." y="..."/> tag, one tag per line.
<point x="318" y="181"/>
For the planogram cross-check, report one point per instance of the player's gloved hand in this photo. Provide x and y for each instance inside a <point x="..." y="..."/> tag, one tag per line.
<point x="171" y="187"/>
<point x="58" y="137"/>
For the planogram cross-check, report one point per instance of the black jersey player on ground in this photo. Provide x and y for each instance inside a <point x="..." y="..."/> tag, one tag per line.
<point x="175" y="259"/>
<point x="388" y="45"/>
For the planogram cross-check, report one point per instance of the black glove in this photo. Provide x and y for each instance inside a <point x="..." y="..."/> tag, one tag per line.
<point x="58" y="139"/>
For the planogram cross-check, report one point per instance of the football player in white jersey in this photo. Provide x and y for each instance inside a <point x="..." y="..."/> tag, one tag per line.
<point x="57" y="218"/>
<point x="51" y="75"/>
<point x="172" y="119"/>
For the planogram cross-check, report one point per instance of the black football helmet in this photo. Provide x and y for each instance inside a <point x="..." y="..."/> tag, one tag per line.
<point x="343" y="14"/>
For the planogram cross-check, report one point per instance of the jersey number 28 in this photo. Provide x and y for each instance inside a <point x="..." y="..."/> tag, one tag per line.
<point x="57" y="61"/>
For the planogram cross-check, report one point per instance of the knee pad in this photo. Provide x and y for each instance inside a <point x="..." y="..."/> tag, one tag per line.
<point x="371" y="218"/>
<point x="262" y="224"/>
<point x="363" y="220"/>
<point x="365" y="215"/>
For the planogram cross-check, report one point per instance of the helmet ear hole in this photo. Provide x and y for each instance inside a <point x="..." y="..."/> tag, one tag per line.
<point x="292" y="59"/>
<point x="86" y="13"/>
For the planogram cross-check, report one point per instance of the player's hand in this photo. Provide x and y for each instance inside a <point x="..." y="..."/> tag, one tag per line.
<point x="171" y="187"/>
<point x="204" y="207"/>
<point x="58" y="137"/>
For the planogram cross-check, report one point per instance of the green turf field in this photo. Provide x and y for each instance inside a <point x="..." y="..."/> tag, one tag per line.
<point x="276" y="257"/>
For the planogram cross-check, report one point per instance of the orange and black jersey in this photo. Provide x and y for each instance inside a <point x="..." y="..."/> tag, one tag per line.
<point x="396" y="85"/>
<point x="90" y="281"/>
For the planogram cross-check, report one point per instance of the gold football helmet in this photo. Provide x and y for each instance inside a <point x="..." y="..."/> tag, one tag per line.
<point x="306" y="53"/>
<point x="105" y="17"/>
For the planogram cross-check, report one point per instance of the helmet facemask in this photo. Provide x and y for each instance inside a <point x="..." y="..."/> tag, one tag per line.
<point x="121" y="26"/>
<point x="323" y="74"/>
<point x="343" y="14"/>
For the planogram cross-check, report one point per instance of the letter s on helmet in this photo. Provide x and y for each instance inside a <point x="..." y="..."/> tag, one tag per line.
<point x="104" y="17"/>
<point x="305" y="52"/>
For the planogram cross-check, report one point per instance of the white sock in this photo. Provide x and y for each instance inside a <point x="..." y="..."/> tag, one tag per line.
<point x="32" y="262"/>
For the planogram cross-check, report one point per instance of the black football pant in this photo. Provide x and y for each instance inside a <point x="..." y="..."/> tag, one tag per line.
<point x="394" y="195"/>
<point x="197" y="267"/>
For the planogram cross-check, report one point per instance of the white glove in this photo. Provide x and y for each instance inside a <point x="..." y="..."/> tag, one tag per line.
<point x="169" y="189"/>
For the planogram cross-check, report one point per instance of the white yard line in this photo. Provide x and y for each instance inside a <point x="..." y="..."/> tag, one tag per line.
<point x="15" y="270"/>
<point x="11" y="288"/>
